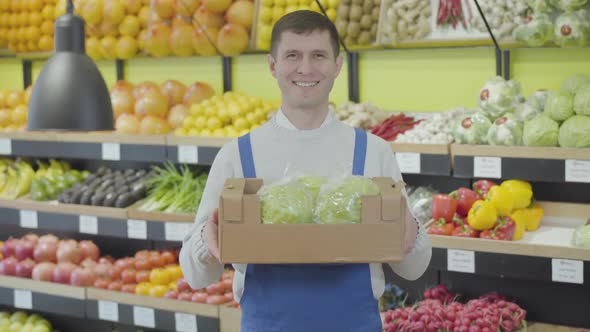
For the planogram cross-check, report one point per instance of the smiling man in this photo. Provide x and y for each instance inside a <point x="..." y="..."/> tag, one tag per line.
<point x="303" y="135"/>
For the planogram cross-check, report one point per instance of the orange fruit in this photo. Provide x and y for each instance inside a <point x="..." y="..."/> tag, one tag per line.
<point x="35" y="18"/>
<point x="47" y="28"/>
<point x="45" y="43"/>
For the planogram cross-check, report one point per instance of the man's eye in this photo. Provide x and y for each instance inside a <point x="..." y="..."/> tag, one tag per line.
<point x="319" y="56"/>
<point x="291" y="56"/>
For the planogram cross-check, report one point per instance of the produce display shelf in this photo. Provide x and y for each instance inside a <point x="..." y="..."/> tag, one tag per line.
<point x="159" y="313"/>
<point x="42" y="296"/>
<point x="230" y="319"/>
<point x="547" y="164"/>
<point x="96" y="220"/>
<point x="194" y="150"/>
<point x="427" y="159"/>
<point x="34" y="55"/>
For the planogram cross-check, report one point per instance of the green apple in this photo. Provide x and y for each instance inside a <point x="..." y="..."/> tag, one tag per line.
<point x="34" y="318"/>
<point x="27" y="328"/>
<point x="41" y="328"/>
<point x="15" y="327"/>
<point x="43" y="322"/>
<point x="4" y="314"/>
<point x="19" y="316"/>
<point x="4" y="328"/>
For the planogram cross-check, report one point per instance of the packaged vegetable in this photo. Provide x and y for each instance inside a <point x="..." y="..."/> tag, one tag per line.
<point x="559" y="105"/>
<point x="421" y="202"/>
<point x="506" y="130"/>
<point x="569" y="6"/>
<point x="498" y="96"/>
<point x="574" y="82"/>
<point x="286" y="202"/>
<point x="575" y="132"/>
<point x="313" y="184"/>
<point x="339" y="200"/>
<point x="571" y="29"/>
<point x="540" y="131"/>
<point x="526" y="111"/>
<point x="537" y="99"/>
<point x="471" y="129"/>
<point x="581" y="236"/>
<point x="535" y="31"/>
<point x="582" y="100"/>
<point x="541" y="6"/>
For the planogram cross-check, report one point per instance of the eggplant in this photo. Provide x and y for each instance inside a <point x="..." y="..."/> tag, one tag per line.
<point x="110" y="199"/>
<point x="129" y="172"/>
<point x="76" y="197"/>
<point x="86" y="198"/>
<point x="124" y="200"/>
<point x="98" y="199"/>
<point x="103" y="170"/>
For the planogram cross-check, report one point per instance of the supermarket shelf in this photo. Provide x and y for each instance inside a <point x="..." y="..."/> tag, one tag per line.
<point x="139" y="310"/>
<point x="427" y="159"/>
<point x="195" y="150"/>
<point x="42" y="296"/>
<point x="548" y="164"/>
<point x="230" y="319"/>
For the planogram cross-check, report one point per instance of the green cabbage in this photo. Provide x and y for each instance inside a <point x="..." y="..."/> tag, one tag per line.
<point x="498" y="96"/>
<point x="471" y="129"/>
<point x="535" y="32"/>
<point x="569" y="6"/>
<point x="342" y="203"/>
<point x="537" y="99"/>
<point x="559" y="106"/>
<point x="571" y="29"/>
<point x="574" y="82"/>
<point x="541" y="6"/>
<point x="525" y="112"/>
<point x="506" y="130"/>
<point x="582" y="100"/>
<point x="289" y="203"/>
<point x="575" y="132"/>
<point x="581" y="236"/>
<point x="313" y="184"/>
<point x="540" y="131"/>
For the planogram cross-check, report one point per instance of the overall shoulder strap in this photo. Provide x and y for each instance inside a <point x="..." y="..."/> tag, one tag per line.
<point x="245" y="147"/>
<point x="360" y="152"/>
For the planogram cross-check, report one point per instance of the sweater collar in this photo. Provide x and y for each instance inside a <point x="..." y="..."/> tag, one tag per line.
<point x="282" y="120"/>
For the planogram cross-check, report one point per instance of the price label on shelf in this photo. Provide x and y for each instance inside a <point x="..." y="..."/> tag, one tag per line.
<point x="108" y="310"/>
<point x="185" y="322"/>
<point x="28" y="219"/>
<point x="88" y="224"/>
<point x="461" y="260"/>
<point x="188" y="154"/>
<point x="111" y="151"/>
<point x="176" y="231"/>
<point x="577" y="171"/>
<point x="567" y="270"/>
<point x="487" y="167"/>
<point x="23" y="299"/>
<point x="5" y="146"/>
<point x="408" y="162"/>
<point x="144" y="317"/>
<point x="136" y="229"/>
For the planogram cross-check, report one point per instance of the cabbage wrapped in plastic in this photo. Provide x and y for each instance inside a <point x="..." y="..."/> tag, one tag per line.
<point x="506" y="130"/>
<point x="575" y="132"/>
<point x="559" y="106"/>
<point x="582" y="100"/>
<point x="540" y="131"/>
<point x="569" y="6"/>
<point x="472" y="129"/>
<point x="313" y="184"/>
<point x="341" y="203"/>
<point x="537" y="99"/>
<point x="498" y="96"/>
<point x="571" y="29"/>
<point x="575" y="82"/>
<point x="289" y="203"/>
<point x="535" y="31"/>
<point x="581" y="237"/>
<point x="525" y="112"/>
<point x="541" y="6"/>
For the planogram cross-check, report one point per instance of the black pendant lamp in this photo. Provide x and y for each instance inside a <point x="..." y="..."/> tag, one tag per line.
<point x="70" y="93"/>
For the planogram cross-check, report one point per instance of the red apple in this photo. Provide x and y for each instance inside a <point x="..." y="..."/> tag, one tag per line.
<point x="45" y="251"/>
<point x="43" y="271"/>
<point x="49" y="238"/>
<point x="24" y="269"/>
<point x="115" y="286"/>
<point x="102" y="270"/>
<point x="8" y="266"/>
<point x="107" y="260"/>
<point x="31" y="237"/>
<point x="142" y="276"/>
<point x="129" y="288"/>
<point x="9" y="247"/>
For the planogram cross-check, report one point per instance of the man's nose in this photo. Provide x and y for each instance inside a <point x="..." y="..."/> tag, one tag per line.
<point x="305" y="65"/>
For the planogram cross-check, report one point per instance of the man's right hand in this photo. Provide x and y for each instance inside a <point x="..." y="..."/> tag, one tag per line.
<point x="211" y="234"/>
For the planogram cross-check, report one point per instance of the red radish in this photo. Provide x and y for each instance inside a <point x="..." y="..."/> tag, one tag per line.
<point x="24" y="249"/>
<point x="89" y="250"/>
<point x="8" y="266"/>
<point x="45" y="251"/>
<point x="83" y="277"/>
<point x="63" y="272"/>
<point x="43" y="271"/>
<point x="68" y="251"/>
<point x="24" y="269"/>
<point x="49" y="238"/>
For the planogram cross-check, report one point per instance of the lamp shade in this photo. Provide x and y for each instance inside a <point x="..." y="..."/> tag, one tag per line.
<point x="70" y="93"/>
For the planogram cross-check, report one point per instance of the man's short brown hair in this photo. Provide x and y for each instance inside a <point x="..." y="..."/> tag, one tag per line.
<point x="303" y="22"/>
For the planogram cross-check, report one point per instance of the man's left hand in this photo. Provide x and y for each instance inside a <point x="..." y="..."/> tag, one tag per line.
<point x="411" y="232"/>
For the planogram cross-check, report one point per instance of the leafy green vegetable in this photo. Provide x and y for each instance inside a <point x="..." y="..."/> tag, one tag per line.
<point x="541" y="6"/>
<point x="498" y="96"/>
<point x="313" y="184"/>
<point x="559" y="106"/>
<point x="571" y="29"/>
<point x="581" y="236"/>
<point x="537" y="100"/>
<point x="540" y="131"/>
<point x="575" y="132"/>
<point x="570" y="5"/>
<point x="290" y="203"/>
<point x="506" y="130"/>
<point x="536" y="31"/>
<point x="525" y="112"/>
<point x="472" y="129"/>
<point x="574" y="82"/>
<point x="582" y="100"/>
<point x="342" y="203"/>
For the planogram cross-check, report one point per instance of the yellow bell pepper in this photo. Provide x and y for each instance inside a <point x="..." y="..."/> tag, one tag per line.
<point x="534" y="214"/>
<point x="522" y="192"/>
<point x="520" y="217"/>
<point x="482" y="215"/>
<point x="501" y="199"/>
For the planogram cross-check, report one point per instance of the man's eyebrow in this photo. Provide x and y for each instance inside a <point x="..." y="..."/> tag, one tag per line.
<point x="313" y="51"/>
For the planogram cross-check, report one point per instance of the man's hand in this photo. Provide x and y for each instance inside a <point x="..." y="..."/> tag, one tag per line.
<point x="411" y="233"/>
<point x="211" y="234"/>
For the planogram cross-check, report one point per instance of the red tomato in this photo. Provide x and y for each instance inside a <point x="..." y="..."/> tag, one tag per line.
<point x="216" y="288"/>
<point x="115" y="272"/>
<point x="185" y="296"/>
<point x="216" y="299"/>
<point x="199" y="298"/>
<point x="157" y="261"/>
<point x="129" y="288"/>
<point x="128" y="276"/>
<point x="142" y="276"/>
<point x="142" y="254"/>
<point x="115" y="286"/>
<point x="101" y="283"/>
<point x="168" y="257"/>
<point x="125" y="263"/>
<point x="142" y="264"/>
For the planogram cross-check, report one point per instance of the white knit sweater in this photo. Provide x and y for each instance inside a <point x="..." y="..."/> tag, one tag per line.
<point x="277" y="145"/>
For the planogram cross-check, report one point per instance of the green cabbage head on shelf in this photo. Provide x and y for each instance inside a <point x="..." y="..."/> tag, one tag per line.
<point x="575" y="82"/>
<point x="471" y="129"/>
<point x="526" y="111"/>
<point x="572" y="29"/>
<point x="575" y="132"/>
<point x="537" y="99"/>
<point x="540" y="131"/>
<point x="536" y="31"/>
<point x="498" y="96"/>
<point x="582" y="100"/>
<point x="581" y="237"/>
<point x="340" y="202"/>
<point x="559" y="105"/>
<point x="506" y="130"/>
<point x="569" y="6"/>
<point x="286" y="203"/>
<point x="541" y="6"/>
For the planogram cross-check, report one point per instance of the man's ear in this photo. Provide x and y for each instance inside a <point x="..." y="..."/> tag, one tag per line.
<point x="272" y="65"/>
<point x="339" y="62"/>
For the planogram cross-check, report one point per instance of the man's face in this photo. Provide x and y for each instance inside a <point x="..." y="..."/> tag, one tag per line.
<point x="305" y="68"/>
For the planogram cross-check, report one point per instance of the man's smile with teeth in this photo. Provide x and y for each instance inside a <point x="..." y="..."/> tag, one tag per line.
<point x="306" y="84"/>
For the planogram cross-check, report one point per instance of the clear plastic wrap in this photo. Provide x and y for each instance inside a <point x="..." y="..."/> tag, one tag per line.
<point x="420" y="200"/>
<point x="581" y="236"/>
<point x="506" y="130"/>
<point x="287" y="201"/>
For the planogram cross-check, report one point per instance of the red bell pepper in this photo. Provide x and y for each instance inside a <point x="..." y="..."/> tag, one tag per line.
<point x="465" y="198"/>
<point x="459" y="221"/>
<point x="465" y="231"/>
<point x="441" y="227"/>
<point x="443" y="206"/>
<point x="506" y="225"/>
<point x="482" y="187"/>
<point x="493" y="234"/>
